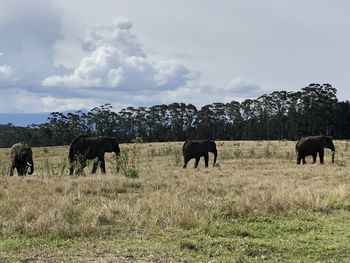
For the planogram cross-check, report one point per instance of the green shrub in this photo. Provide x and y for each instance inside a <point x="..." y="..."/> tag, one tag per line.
<point x="129" y="160"/>
<point x="237" y="153"/>
<point x="177" y="158"/>
<point x="252" y="152"/>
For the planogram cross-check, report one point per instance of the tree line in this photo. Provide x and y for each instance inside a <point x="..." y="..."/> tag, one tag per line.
<point x="280" y="115"/>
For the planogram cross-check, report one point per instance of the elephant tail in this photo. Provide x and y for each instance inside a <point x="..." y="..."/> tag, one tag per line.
<point x="183" y="146"/>
<point x="72" y="146"/>
<point x="71" y="154"/>
<point x="297" y="147"/>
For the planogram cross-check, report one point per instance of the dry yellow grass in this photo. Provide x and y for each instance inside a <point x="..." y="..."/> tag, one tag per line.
<point x="252" y="178"/>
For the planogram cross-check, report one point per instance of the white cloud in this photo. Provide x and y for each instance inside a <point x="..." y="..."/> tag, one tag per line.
<point x="114" y="68"/>
<point x="20" y="100"/>
<point x="116" y="64"/>
<point x="6" y="71"/>
<point x="115" y="59"/>
<point x="237" y="89"/>
<point x="29" y="30"/>
<point x="242" y="88"/>
<point x="116" y="35"/>
<point x="285" y="48"/>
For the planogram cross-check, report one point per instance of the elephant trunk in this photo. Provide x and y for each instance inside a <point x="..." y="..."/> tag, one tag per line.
<point x="31" y="168"/>
<point x="215" y="152"/>
<point x="333" y="153"/>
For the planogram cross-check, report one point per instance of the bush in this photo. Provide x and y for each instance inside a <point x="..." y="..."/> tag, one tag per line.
<point x="237" y="153"/>
<point x="129" y="160"/>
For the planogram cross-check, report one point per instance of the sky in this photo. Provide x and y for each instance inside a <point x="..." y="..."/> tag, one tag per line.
<point x="59" y="55"/>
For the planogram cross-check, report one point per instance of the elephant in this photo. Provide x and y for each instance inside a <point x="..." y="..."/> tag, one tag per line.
<point x="94" y="148"/>
<point x="21" y="159"/>
<point x="198" y="148"/>
<point x="311" y="146"/>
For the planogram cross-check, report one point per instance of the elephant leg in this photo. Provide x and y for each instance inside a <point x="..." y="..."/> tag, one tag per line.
<point x="71" y="168"/>
<point x="304" y="161"/>
<point x="102" y="165"/>
<point x="20" y="171"/>
<point x="186" y="160"/>
<point x="11" y="170"/>
<point x="197" y="161"/>
<point x="80" y="167"/>
<point x="206" y="159"/>
<point x="321" y="154"/>
<point x="72" y="165"/>
<point x="117" y="163"/>
<point x="94" y="168"/>
<point x="298" y="159"/>
<point x="314" y="158"/>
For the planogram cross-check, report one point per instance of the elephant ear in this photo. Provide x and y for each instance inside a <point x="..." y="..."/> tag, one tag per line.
<point x="115" y="144"/>
<point x="207" y="144"/>
<point x="327" y="141"/>
<point x="108" y="144"/>
<point x="22" y="154"/>
<point x="211" y="145"/>
<point x="29" y="151"/>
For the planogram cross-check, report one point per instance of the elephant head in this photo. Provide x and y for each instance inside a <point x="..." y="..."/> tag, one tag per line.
<point x="328" y="143"/>
<point x="22" y="159"/>
<point x="111" y="145"/>
<point x="26" y="155"/>
<point x="211" y="146"/>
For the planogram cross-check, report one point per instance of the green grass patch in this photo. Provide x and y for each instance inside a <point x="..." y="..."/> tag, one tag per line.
<point x="312" y="237"/>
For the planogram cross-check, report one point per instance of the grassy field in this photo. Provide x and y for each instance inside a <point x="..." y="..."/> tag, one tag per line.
<point x="255" y="205"/>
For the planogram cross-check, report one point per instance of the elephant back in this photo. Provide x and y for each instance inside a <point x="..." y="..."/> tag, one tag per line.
<point x="17" y="148"/>
<point x="79" y="139"/>
<point x="83" y="145"/>
<point x="195" y="146"/>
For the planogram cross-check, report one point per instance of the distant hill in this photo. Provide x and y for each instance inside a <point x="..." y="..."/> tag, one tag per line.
<point x="23" y="119"/>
